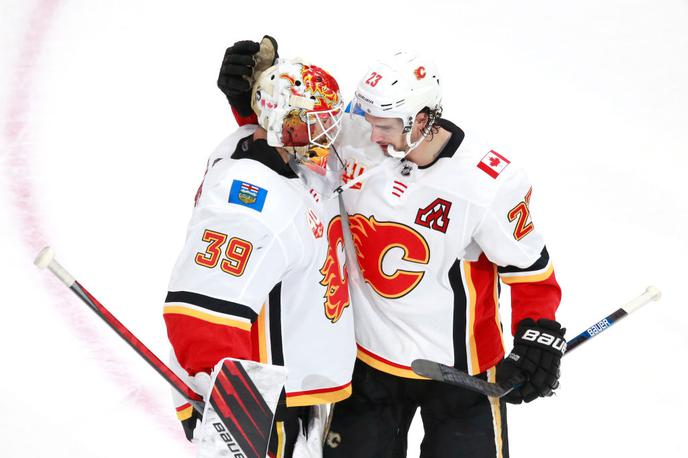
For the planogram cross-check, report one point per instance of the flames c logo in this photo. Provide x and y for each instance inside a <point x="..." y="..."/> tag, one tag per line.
<point x="337" y="282"/>
<point x="373" y="240"/>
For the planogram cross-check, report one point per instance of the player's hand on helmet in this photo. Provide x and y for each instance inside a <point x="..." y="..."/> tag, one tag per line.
<point x="241" y="65"/>
<point x="533" y="364"/>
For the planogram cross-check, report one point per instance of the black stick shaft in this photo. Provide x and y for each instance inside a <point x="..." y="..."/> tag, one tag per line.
<point x="596" y="329"/>
<point x="448" y="374"/>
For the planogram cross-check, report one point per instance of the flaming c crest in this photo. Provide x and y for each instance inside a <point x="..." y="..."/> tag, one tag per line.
<point x="373" y="240"/>
<point x="337" y="283"/>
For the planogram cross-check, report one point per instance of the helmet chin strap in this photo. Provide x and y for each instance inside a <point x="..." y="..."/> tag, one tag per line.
<point x="411" y="146"/>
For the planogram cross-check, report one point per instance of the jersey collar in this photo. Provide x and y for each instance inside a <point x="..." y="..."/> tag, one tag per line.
<point x="452" y="145"/>
<point x="259" y="150"/>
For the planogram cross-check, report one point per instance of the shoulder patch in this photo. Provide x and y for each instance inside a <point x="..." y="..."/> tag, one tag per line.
<point x="493" y="163"/>
<point x="248" y="195"/>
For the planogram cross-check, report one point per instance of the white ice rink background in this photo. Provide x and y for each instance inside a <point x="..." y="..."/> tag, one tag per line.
<point x="109" y="109"/>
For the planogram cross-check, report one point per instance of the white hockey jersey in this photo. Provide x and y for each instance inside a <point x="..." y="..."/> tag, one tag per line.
<point x="262" y="276"/>
<point x="432" y="243"/>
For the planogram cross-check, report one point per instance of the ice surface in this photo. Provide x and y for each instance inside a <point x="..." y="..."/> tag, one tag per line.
<point x="109" y="110"/>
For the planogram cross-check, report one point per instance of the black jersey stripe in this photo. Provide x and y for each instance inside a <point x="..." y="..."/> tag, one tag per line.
<point x="540" y="264"/>
<point x="211" y="303"/>
<point x="275" y="310"/>
<point x="459" y="331"/>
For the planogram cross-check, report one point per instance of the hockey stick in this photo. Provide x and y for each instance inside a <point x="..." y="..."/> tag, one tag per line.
<point x="246" y="418"/>
<point x="447" y="374"/>
<point x="46" y="259"/>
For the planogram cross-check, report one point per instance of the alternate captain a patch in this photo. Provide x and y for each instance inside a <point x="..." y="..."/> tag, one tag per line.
<point x="493" y="163"/>
<point x="248" y="195"/>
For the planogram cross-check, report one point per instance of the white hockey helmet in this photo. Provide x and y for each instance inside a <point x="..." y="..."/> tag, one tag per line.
<point x="300" y="107"/>
<point x="400" y="86"/>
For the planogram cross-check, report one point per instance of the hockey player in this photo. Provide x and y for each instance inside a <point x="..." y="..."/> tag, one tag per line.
<point x="438" y="218"/>
<point x="261" y="275"/>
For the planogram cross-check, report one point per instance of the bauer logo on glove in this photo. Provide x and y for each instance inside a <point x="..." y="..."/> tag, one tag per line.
<point x="536" y="357"/>
<point x="549" y="340"/>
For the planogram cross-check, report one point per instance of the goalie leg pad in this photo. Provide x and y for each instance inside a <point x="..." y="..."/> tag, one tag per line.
<point x="240" y="408"/>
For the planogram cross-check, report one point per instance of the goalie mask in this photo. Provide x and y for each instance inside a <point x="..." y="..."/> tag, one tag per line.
<point x="400" y="86"/>
<point x="300" y="107"/>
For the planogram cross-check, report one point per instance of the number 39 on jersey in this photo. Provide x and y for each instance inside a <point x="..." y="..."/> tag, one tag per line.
<point x="236" y="253"/>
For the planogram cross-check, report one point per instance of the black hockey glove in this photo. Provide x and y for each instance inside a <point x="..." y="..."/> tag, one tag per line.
<point x="241" y="64"/>
<point x="190" y="424"/>
<point x="536" y="356"/>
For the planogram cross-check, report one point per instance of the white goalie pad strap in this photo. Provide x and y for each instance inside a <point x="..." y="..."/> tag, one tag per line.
<point x="192" y="382"/>
<point x="310" y="445"/>
<point x="211" y="437"/>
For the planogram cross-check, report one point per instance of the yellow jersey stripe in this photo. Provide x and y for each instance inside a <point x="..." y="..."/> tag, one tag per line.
<point x="386" y="367"/>
<point x="471" y="348"/>
<point x="184" y="413"/>
<point x="324" y="397"/>
<point x="510" y="279"/>
<point x="187" y="311"/>
<point x="279" y="426"/>
<point x="262" y="344"/>
<point x="496" y="415"/>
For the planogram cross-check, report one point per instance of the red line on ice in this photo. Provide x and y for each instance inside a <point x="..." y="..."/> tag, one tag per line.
<point x="22" y="198"/>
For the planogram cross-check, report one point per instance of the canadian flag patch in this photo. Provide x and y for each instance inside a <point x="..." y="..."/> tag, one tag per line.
<point x="493" y="163"/>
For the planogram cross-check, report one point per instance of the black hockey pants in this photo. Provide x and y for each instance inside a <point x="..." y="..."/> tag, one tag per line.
<point x="285" y="430"/>
<point x="374" y="421"/>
